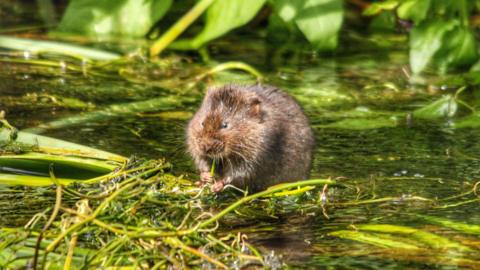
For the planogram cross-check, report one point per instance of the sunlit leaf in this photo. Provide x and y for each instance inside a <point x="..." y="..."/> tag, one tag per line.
<point x="378" y="7"/>
<point x="425" y="40"/>
<point x="129" y="18"/>
<point x="67" y="161"/>
<point x="319" y="20"/>
<point x="459" y="49"/>
<point x="225" y="15"/>
<point x="414" y="10"/>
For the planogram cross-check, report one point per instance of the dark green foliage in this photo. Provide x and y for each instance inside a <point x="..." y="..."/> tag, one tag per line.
<point x="441" y="37"/>
<point x="318" y="20"/>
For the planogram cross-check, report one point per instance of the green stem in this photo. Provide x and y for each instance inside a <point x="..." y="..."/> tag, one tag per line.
<point x="179" y="27"/>
<point x="232" y="65"/>
<point x="56" y="208"/>
<point x="464" y="11"/>
<point x="265" y="193"/>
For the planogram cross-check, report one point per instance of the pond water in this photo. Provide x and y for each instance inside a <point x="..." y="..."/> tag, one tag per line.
<point x="359" y="102"/>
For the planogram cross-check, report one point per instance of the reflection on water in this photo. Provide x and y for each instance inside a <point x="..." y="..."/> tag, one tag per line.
<point x="400" y="161"/>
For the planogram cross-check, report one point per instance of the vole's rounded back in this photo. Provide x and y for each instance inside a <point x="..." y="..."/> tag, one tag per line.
<point x="258" y="134"/>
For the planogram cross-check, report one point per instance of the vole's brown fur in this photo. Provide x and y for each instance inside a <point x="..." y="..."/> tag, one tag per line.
<point x="258" y="134"/>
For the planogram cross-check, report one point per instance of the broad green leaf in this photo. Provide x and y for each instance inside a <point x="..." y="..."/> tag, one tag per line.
<point x="445" y="106"/>
<point x="34" y="160"/>
<point x="225" y="15"/>
<point x="104" y="18"/>
<point x="319" y="21"/>
<point x="39" y="46"/>
<point x="425" y="40"/>
<point x="71" y="162"/>
<point x="378" y="7"/>
<point x="56" y="146"/>
<point x="459" y="49"/>
<point x="414" y="10"/>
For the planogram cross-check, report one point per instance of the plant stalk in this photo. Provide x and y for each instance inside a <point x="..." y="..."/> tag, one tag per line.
<point x="179" y="27"/>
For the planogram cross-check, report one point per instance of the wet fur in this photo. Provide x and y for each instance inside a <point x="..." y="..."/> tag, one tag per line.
<point x="268" y="139"/>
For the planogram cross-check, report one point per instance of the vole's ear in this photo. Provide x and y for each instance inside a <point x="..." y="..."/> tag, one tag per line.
<point x="255" y="109"/>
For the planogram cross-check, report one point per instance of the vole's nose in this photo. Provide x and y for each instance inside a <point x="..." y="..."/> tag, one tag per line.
<point x="212" y="146"/>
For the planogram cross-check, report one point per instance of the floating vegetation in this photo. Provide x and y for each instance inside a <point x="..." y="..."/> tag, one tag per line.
<point x="139" y="217"/>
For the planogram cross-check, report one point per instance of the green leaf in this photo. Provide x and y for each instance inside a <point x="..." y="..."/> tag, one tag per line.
<point x="426" y="39"/>
<point x="104" y="18"/>
<point x="318" y="20"/>
<point x="56" y="146"/>
<point x="71" y="162"/>
<point x="414" y="10"/>
<point x="378" y="7"/>
<point x="459" y="49"/>
<point x="446" y="106"/>
<point x="225" y="15"/>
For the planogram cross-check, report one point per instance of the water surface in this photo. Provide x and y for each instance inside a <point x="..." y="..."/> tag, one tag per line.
<point x="397" y="158"/>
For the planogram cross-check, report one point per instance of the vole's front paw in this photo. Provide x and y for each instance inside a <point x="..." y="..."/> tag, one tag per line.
<point x="205" y="177"/>
<point x="217" y="186"/>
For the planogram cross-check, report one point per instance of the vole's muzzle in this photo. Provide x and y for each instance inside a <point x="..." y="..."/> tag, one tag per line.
<point x="212" y="147"/>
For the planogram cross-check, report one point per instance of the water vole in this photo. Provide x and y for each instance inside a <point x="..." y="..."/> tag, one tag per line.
<point x="258" y="135"/>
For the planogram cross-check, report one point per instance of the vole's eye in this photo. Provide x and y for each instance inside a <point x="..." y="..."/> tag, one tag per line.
<point x="224" y="125"/>
<point x="203" y="124"/>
